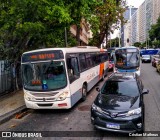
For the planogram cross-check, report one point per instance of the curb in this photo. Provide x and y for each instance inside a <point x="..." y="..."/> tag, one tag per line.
<point x="4" y="118"/>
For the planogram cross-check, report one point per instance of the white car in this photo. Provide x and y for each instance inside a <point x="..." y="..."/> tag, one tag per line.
<point x="146" y="58"/>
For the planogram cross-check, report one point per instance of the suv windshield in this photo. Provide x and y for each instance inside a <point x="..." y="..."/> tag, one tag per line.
<point x="121" y="88"/>
<point x="44" y="75"/>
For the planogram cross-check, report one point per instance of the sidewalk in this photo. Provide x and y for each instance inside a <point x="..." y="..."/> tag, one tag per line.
<point x="11" y="104"/>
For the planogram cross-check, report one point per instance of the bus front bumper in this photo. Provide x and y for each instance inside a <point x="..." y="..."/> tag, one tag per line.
<point x="131" y="70"/>
<point x="65" y="104"/>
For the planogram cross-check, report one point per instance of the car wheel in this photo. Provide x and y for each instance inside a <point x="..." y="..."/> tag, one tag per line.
<point x="84" y="92"/>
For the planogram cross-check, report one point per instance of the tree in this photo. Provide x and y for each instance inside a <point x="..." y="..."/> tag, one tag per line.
<point x="137" y="44"/>
<point x="109" y="16"/>
<point x="80" y="10"/>
<point x="154" y="31"/>
<point x="113" y="42"/>
<point x="156" y="43"/>
<point x="28" y="24"/>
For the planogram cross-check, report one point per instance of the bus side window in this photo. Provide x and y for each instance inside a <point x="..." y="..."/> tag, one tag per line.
<point x="73" y="69"/>
<point x="83" y="64"/>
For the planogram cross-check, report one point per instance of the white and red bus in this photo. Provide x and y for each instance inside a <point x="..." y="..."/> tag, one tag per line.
<point x="57" y="78"/>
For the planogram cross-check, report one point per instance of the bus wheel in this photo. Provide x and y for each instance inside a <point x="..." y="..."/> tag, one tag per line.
<point x="84" y="92"/>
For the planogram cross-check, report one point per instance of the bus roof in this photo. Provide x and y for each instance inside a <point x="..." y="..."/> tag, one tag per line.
<point x="69" y="50"/>
<point x="129" y="47"/>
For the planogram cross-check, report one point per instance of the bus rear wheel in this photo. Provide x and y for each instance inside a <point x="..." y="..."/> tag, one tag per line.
<point x="84" y="92"/>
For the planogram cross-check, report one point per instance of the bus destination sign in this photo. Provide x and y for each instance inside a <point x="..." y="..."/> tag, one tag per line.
<point x="40" y="56"/>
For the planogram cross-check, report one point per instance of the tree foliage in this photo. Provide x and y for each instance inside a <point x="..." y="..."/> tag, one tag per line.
<point x="113" y="42"/>
<point x="154" y="32"/>
<point x="28" y="24"/>
<point x="137" y="44"/>
<point x="31" y="24"/>
<point x="108" y="16"/>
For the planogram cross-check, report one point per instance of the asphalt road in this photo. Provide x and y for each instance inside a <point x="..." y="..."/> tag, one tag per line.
<point x="77" y="122"/>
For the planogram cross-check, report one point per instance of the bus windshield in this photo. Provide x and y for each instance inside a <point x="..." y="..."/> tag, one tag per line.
<point x="42" y="76"/>
<point x="127" y="59"/>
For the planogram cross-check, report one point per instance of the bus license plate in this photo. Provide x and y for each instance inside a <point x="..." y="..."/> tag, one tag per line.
<point x="114" y="126"/>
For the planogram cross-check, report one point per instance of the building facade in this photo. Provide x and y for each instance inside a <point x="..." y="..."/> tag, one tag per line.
<point x="156" y="10"/>
<point x="127" y="34"/>
<point x="127" y="16"/>
<point x="142" y="22"/>
<point x="134" y="28"/>
<point x="149" y="16"/>
<point x="85" y="32"/>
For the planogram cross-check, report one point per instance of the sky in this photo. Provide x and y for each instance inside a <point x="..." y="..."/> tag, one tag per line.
<point x="135" y="3"/>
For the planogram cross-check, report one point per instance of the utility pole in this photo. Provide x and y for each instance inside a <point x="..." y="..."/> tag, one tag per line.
<point x="110" y="40"/>
<point x="66" y="44"/>
<point x="146" y="42"/>
<point x="119" y="38"/>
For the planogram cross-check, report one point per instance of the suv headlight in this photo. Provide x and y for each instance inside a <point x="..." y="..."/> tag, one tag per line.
<point x="62" y="96"/>
<point x="96" y="108"/>
<point x="134" y="112"/>
<point x="29" y="97"/>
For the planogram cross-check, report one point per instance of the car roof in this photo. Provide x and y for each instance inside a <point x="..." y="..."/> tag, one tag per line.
<point x="125" y="76"/>
<point x="146" y="55"/>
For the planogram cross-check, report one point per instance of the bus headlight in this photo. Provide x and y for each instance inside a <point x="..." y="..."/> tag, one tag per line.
<point x="62" y="96"/>
<point x="134" y="112"/>
<point x="28" y="97"/>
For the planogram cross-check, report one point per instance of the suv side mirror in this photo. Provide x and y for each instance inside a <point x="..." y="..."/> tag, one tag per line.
<point x="145" y="91"/>
<point x="98" y="89"/>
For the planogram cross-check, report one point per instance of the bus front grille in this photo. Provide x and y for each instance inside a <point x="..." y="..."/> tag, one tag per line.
<point x="44" y="94"/>
<point x="45" y="105"/>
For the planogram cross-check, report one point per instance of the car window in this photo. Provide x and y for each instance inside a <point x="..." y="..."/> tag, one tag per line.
<point x="127" y="88"/>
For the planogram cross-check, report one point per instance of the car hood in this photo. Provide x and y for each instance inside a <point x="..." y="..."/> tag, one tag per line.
<point x="114" y="102"/>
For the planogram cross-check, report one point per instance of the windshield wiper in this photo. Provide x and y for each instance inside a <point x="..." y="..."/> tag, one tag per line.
<point x="45" y="70"/>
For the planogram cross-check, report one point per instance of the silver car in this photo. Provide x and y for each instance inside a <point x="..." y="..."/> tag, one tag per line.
<point x="146" y="58"/>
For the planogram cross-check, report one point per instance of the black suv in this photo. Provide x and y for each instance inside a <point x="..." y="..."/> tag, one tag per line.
<point x="119" y="105"/>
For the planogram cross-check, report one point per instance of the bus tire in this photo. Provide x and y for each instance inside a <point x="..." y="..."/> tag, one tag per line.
<point x="84" y="92"/>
